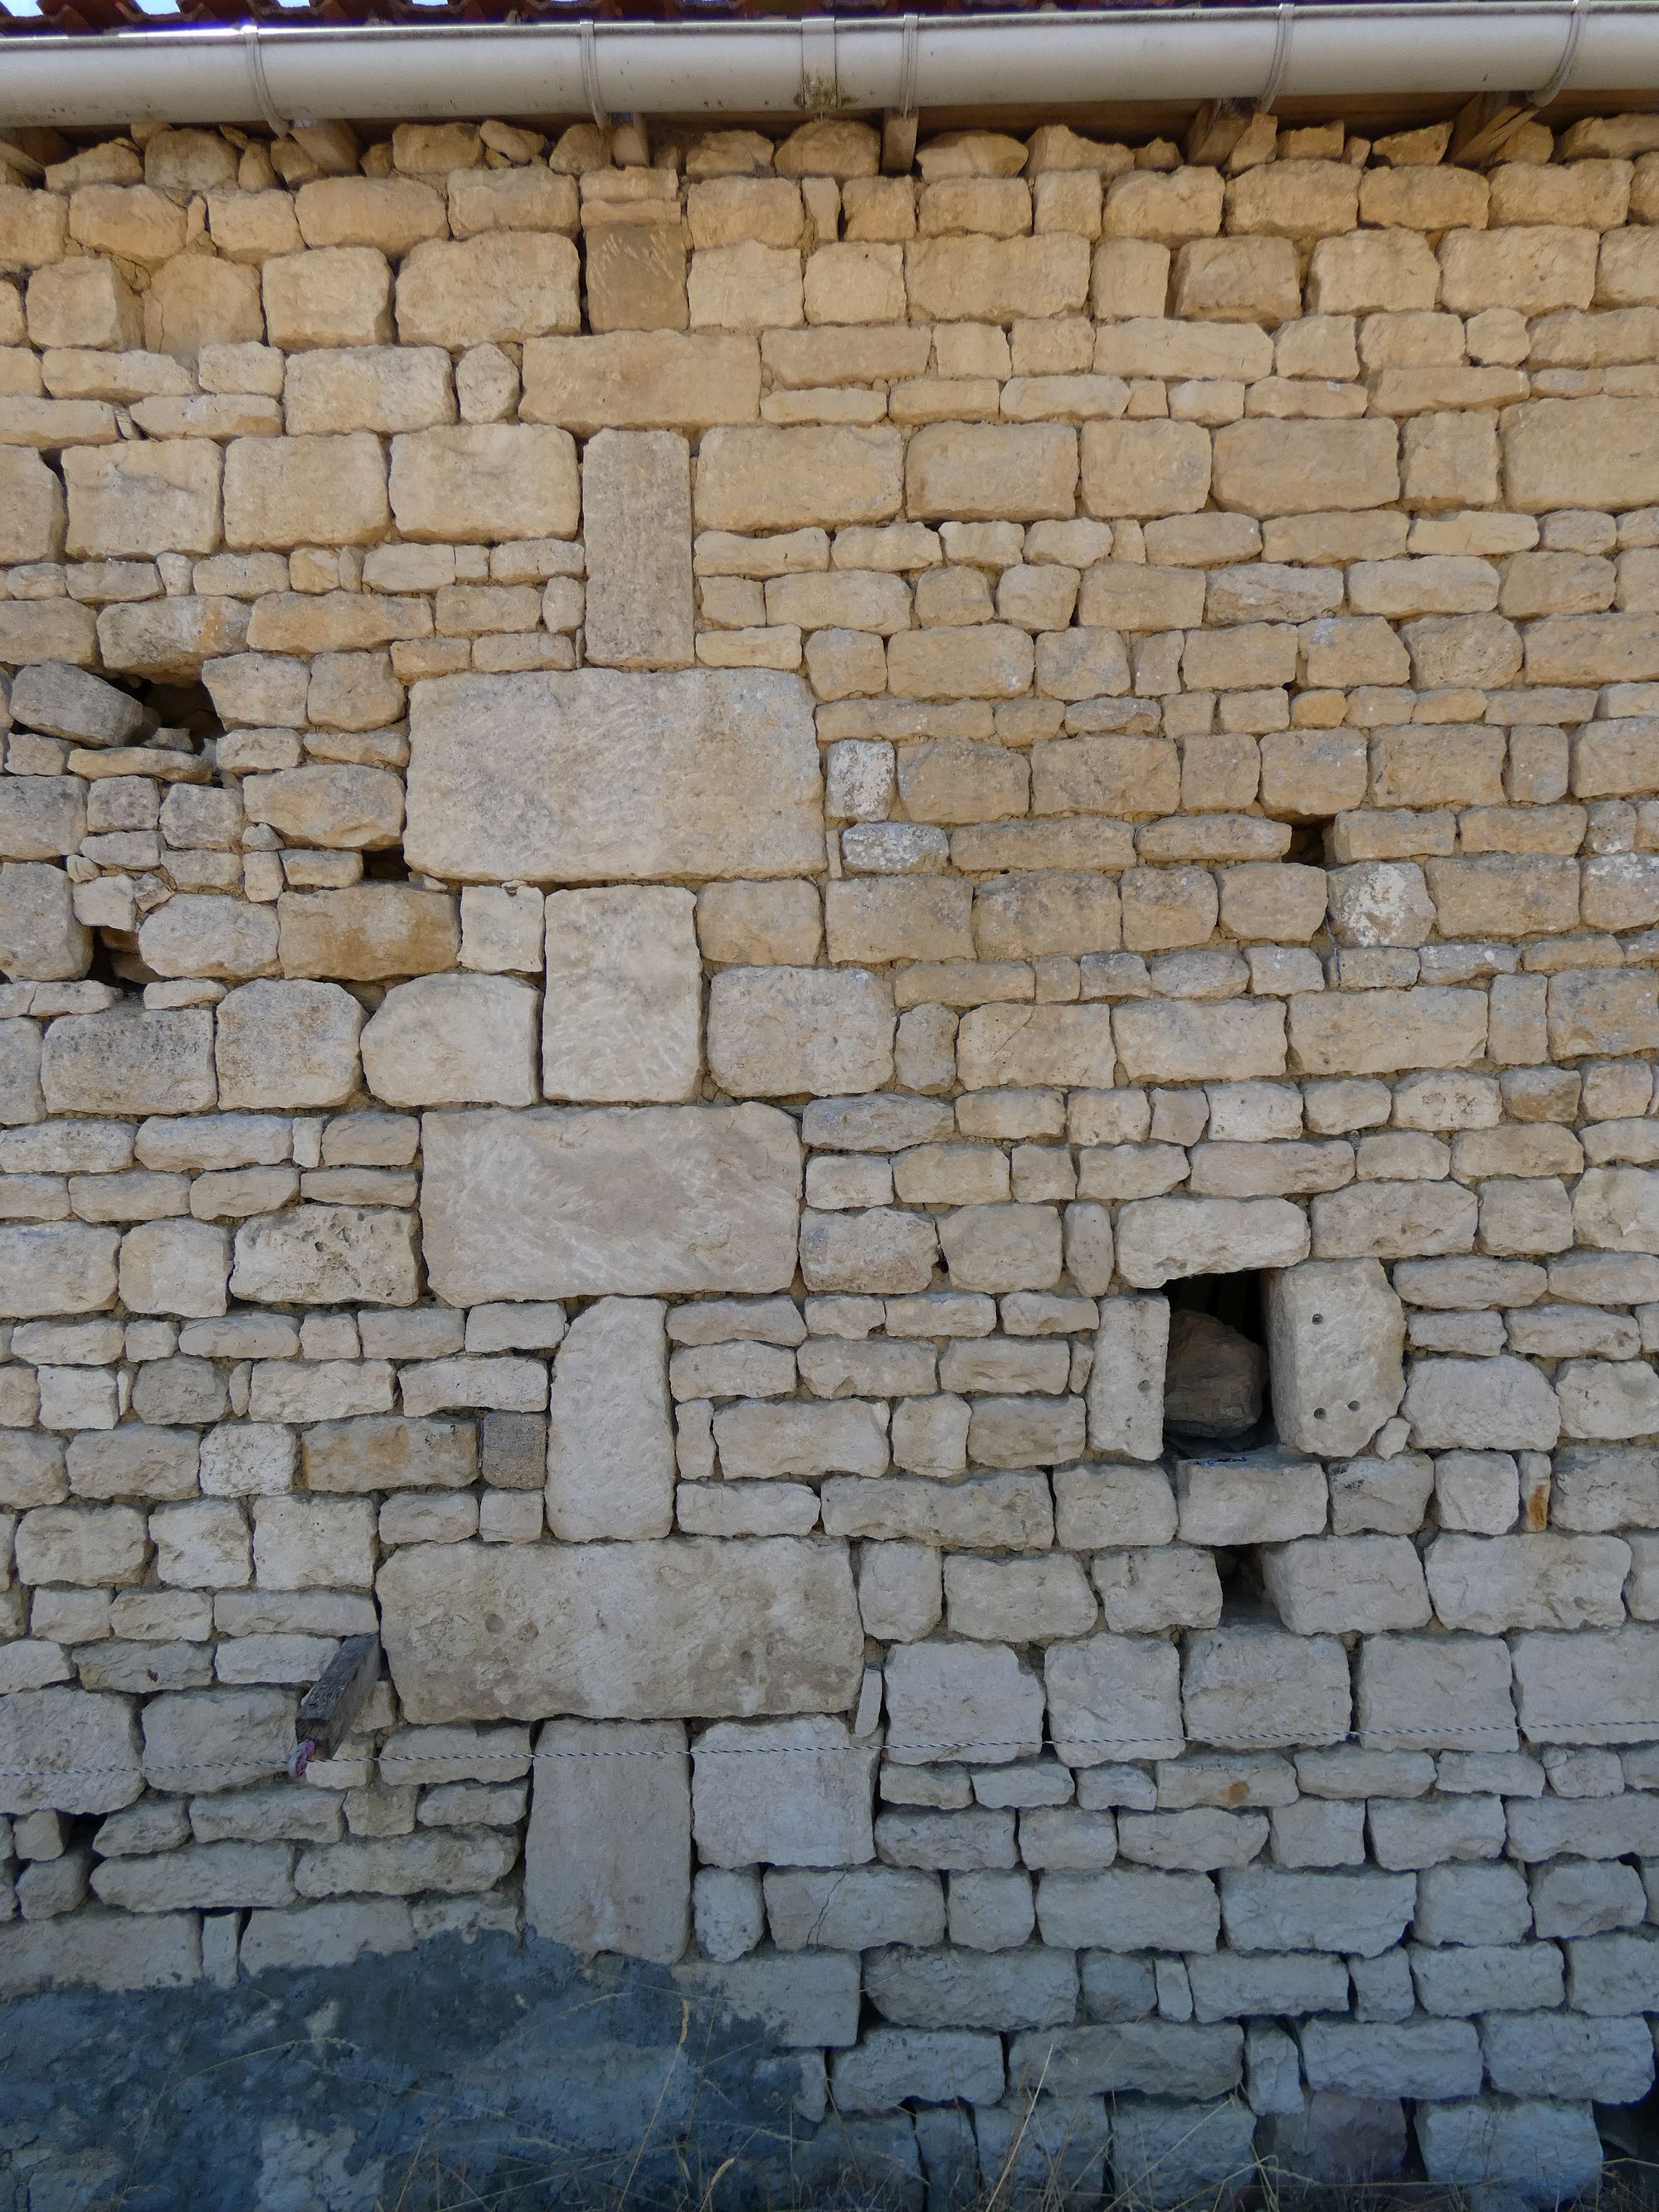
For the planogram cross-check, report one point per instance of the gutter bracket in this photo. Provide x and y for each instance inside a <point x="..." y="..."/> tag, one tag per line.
<point x="1549" y="92"/>
<point x="276" y="122"/>
<point x="590" y="62"/>
<point x="1283" y="28"/>
<point x="820" y="76"/>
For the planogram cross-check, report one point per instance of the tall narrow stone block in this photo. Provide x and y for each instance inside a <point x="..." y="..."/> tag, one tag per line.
<point x="637" y="517"/>
<point x="607" y="1861"/>
<point x="611" y="1434"/>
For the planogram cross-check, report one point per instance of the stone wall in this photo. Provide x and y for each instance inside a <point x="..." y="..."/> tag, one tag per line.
<point x="674" y="837"/>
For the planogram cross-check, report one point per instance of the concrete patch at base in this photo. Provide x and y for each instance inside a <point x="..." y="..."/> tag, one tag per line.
<point x="607" y="776"/>
<point x="643" y="1202"/>
<point x="675" y="1628"/>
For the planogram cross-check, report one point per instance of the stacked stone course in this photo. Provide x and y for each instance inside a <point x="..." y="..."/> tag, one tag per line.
<point x="673" y="834"/>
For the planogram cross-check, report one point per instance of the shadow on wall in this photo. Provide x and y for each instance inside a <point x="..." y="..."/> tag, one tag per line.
<point x="373" y="2086"/>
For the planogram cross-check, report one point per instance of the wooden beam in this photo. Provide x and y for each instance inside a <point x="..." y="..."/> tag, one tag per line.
<point x="330" y="1706"/>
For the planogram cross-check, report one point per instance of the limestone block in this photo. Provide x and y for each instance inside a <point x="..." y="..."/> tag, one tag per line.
<point x="608" y="1850"/>
<point x="283" y="492"/>
<point x="1603" y="449"/>
<point x="453" y="1041"/>
<point x="1341" y="1585"/>
<point x="641" y="380"/>
<point x="1144" y="468"/>
<point x="759" y="923"/>
<point x="776" y="1032"/>
<point x="1534" y="269"/>
<point x="636" y="501"/>
<point x="1365" y="1914"/>
<point x="983" y="471"/>
<point x="1587" y="1688"/>
<point x="1372" y="271"/>
<point x="327" y="1256"/>
<point x="1042" y="1045"/>
<point x="367" y="932"/>
<point x="1607" y="1398"/>
<point x="1560" y="2055"/>
<point x="796" y="1437"/>
<point x="1394" y="1220"/>
<point x="1381" y="1032"/>
<point x="462" y="1862"/>
<point x="20" y="1101"/>
<point x="672" y="1629"/>
<point x="104" y="1950"/>
<point x="879" y="919"/>
<point x="40" y="938"/>
<point x="1183" y="1043"/>
<point x="1269" y="468"/>
<point x="610" y="1442"/>
<point x="348" y="807"/>
<point x="813" y="1808"/>
<point x="1492" y="1584"/>
<point x="855" y="1909"/>
<point x="975" y="279"/>
<point x="1447" y="1693"/>
<point x="1481" y="1405"/>
<point x="1335" y="1338"/>
<point x="1542" y="2149"/>
<point x="1168" y="1586"/>
<point x="133" y="501"/>
<point x="1026" y="1989"/>
<point x="497" y="288"/>
<point x="622" y="1014"/>
<point x="325" y="1935"/>
<point x="937" y="2066"/>
<point x="68" y="1751"/>
<point x="338" y="296"/>
<point x="287" y="1044"/>
<point x="392" y="213"/>
<point x="1126" y="1381"/>
<point x="32" y="512"/>
<point x="1114" y="1698"/>
<point x="604" y="775"/>
<point x="209" y="936"/>
<point x="1249" y="1498"/>
<point x="656" y="1201"/>
<point x="1159" y="1238"/>
<point x="777" y="478"/>
<point x="385" y="388"/>
<point x="1421" y="2058"/>
<point x="175" y="1267"/>
<point x="56" y="1267"/>
<point x="83" y="1544"/>
<point x="129" y="1062"/>
<point x="1238" y="280"/>
<point x="480" y="481"/>
<point x="1598" y="1009"/>
<point x="959" y="1701"/>
<point x="1129" y="1909"/>
<point x="1253" y="1685"/>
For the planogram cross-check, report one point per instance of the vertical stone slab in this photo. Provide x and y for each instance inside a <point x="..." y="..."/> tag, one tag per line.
<point x="1336" y="1337"/>
<point x="636" y="526"/>
<point x="607" y="1860"/>
<point x="610" y="1433"/>
<point x="624" y="1018"/>
<point x="1125" y="1382"/>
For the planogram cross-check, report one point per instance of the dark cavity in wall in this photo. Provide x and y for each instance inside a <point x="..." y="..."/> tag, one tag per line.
<point x="1215" y="1393"/>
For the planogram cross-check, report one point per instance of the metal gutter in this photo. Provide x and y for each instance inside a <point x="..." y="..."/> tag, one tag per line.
<point x="252" y="74"/>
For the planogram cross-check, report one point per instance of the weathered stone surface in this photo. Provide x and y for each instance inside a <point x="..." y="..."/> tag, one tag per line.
<point x="67" y="1750"/>
<point x="1159" y="1238"/>
<point x="636" y="501"/>
<point x="1481" y="1405"/>
<point x="495" y="288"/>
<point x="961" y="1701"/>
<point x="653" y="1200"/>
<point x="1246" y="1687"/>
<point x="327" y="1256"/>
<point x="603" y="774"/>
<point x="817" y="1815"/>
<point x="686" y="1626"/>
<point x="774" y="479"/>
<point x="1125" y="1382"/>
<point x="129" y="1062"/>
<point x="453" y="1041"/>
<point x="623" y="1011"/>
<point x="287" y="1044"/>
<point x="608" y="1850"/>
<point x="56" y="1267"/>
<point x="1343" y="1585"/>
<point x="611" y="1441"/>
<point x="776" y="1032"/>
<point x="1335" y="1336"/>
<point x="641" y="380"/>
<point x="41" y="939"/>
<point x="1115" y="1698"/>
<point x="484" y="480"/>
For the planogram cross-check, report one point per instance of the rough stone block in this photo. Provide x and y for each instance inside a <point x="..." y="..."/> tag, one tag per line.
<point x="608" y="1850"/>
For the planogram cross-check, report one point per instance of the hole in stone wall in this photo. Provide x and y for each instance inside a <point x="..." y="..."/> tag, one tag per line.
<point x="386" y="866"/>
<point x="1215" y="1391"/>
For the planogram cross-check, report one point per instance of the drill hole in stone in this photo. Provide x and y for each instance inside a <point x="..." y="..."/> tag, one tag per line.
<point x="1215" y="1390"/>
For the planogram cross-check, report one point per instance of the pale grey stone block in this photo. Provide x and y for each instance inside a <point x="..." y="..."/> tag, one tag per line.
<point x="611" y="1461"/>
<point x="1271" y="1909"/>
<point x="608" y="1852"/>
<point x="795" y="1793"/>
<point x="636" y="509"/>
<point x="1431" y="2060"/>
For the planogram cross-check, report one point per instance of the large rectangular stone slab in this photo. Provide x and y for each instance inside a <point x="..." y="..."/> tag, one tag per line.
<point x="556" y="1203"/>
<point x="660" y="1630"/>
<point x="608" y="1856"/>
<point x="609" y="776"/>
